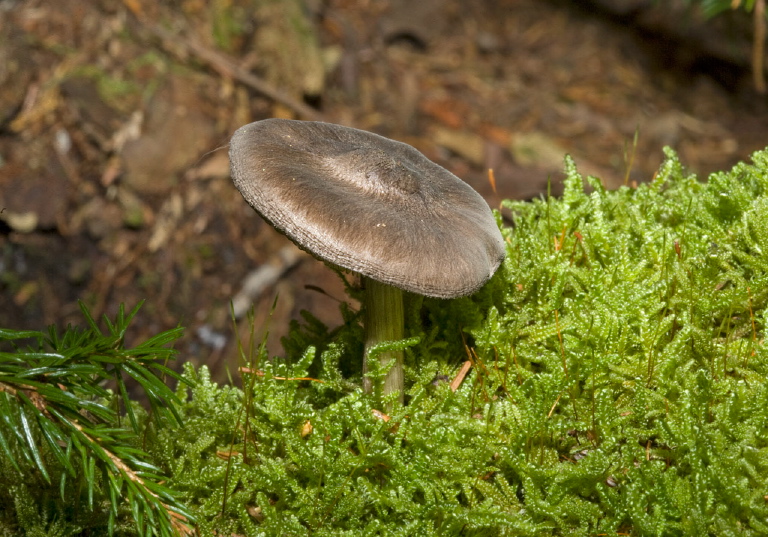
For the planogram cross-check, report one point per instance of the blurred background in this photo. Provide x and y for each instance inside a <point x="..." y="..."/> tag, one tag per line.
<point x="115" y="115"/>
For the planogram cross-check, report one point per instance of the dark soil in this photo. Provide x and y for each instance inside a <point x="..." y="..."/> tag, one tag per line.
<point x="115" y="115"/>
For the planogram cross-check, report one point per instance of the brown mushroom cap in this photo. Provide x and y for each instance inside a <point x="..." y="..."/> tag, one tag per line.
<point x="368" y="204"/>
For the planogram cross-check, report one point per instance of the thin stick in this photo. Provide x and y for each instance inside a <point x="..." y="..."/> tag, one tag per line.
<point x="226" y="67"/>
<point x="460" y="376"/>
<point x="264" y="277"/>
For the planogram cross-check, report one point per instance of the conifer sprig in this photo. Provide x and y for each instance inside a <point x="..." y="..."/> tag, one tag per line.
<point x="61" y="424"/>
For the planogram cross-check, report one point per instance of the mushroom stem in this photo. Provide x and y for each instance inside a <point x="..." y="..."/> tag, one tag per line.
<point x="384" y="319"/>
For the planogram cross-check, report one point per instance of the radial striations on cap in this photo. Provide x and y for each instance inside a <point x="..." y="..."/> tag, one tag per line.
<point x="368" y="204"/>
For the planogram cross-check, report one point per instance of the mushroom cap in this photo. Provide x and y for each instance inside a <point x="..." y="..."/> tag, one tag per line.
<point x="368" y="204"/>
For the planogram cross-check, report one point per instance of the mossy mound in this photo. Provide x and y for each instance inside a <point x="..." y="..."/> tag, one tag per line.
<point x="619" y="384"/>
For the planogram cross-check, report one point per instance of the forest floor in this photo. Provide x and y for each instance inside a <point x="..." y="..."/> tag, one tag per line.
<point x="115" y="115"/>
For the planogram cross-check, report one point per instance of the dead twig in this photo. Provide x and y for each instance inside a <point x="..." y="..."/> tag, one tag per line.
<point x="460" y="376"/>
<point x="263" y="277"/>
<point x="183" y="47"/>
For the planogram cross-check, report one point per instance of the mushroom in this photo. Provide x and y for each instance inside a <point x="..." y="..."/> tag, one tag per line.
<point x="373" y="206"/>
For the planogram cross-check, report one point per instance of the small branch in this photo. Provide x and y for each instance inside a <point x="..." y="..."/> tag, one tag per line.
<point x="226" y="67"/>
<point x="8" y="389"/>
<point x="263" y="277"/>
<point x="42" y="405"/>
<point x="460" y="376"/>
<point x="176" y="519"/>
<point x="30" y="392"/>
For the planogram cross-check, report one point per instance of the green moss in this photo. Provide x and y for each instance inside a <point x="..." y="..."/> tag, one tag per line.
<point x="618" y="386"/>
